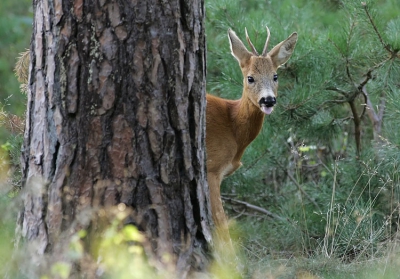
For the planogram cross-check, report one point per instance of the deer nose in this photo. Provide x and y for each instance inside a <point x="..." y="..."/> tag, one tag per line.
<point x="268" y="101"/>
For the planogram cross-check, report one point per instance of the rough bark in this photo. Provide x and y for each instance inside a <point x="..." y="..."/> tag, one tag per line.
<point x="115" y="115"/>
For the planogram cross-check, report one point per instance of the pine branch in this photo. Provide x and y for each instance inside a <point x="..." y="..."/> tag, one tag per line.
<point x="368" y="77"/>
<point x="357" y="126"/>
<point x="356" y="118"/>
<point x="348" y="50"/>
<point x="373" y="116"/>
<point x="345" y="56"/>
<point x="364" y="107"/>
<point x="376" y="118"/>
<point x="386" y="46"/>
<point x="344" y="93"/>
<point x="382" y="104"/>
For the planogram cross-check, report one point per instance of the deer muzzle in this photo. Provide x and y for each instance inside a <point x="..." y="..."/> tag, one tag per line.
<point x="266" y="104"/>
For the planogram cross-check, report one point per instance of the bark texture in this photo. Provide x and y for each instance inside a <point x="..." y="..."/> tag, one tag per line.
<point x="115" y="115"/>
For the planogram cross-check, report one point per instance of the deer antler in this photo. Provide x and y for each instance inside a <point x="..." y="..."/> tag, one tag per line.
<point x="265" y="50"/>
<point x="250" y="43"/>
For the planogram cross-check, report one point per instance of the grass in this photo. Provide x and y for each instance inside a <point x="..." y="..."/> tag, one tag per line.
<point x="352" y="241"/>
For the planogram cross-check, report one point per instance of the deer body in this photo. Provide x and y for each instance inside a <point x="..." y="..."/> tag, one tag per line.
<point x="231" y="125"/>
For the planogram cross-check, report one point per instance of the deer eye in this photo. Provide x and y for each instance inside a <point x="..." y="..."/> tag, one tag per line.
<point x="250" y="79"/>
<point x="276" y="77"/>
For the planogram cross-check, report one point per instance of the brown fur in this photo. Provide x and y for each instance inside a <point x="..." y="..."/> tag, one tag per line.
<point x="232" y="125"/>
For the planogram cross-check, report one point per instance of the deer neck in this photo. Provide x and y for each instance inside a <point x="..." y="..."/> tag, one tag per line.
<point x="248" y="121"/>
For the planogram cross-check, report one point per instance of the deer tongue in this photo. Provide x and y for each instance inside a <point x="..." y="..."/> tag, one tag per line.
<point x="267" y="110"/>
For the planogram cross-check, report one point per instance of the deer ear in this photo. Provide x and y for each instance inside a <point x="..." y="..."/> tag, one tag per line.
<point x="281" y="53"/>
<point x="239" y="51"/>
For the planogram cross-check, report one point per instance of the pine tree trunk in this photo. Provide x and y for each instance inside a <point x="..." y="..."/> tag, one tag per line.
<point x="115" y="115"/>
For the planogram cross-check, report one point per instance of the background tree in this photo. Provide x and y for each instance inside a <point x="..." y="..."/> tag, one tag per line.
<point x="115" y="115"/>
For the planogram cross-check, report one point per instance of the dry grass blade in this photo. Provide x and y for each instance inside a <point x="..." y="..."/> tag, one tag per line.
<point x="12" y="122"/>
<point x="21" y="68"/>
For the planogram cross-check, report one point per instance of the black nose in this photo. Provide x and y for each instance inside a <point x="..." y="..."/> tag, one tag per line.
<point x="268" y="102"/>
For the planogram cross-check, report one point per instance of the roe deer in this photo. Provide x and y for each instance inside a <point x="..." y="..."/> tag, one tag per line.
<point x="232" y="125"/>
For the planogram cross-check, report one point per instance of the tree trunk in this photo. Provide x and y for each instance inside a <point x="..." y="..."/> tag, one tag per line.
<point x="115" y="114"/>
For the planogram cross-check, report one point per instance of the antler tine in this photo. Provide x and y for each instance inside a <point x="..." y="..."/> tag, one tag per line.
<point x="250" y="43"/>
<point x="265" y="50"/>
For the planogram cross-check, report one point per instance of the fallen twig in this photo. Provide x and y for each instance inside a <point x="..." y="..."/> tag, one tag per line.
<point x="254" y="207"/>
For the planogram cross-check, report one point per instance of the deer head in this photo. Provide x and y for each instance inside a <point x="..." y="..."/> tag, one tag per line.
<point x="260" y="79"/>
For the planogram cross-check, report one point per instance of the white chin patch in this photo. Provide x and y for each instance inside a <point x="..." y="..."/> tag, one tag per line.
<point x="267" y="110"/>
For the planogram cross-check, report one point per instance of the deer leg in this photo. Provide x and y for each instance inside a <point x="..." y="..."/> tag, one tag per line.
<point x="218" y="214"/>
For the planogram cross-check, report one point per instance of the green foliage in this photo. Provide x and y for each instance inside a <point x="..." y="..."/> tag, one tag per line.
<point x="6" y="235"/>
<point x="337" y="191"/>
<point x="122" y="253"/>
<point x="15" y="29"/>
<point x="114" y="250"/>
<point x="15" y="34"/>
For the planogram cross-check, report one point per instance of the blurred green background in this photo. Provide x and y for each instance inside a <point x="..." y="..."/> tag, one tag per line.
<point x="15" y="34"/>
